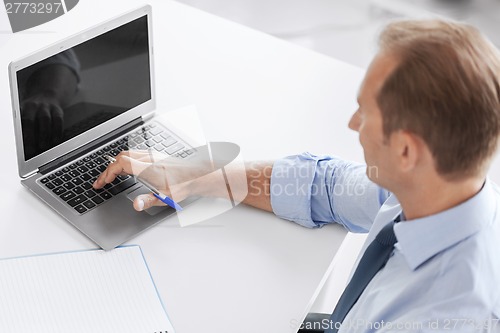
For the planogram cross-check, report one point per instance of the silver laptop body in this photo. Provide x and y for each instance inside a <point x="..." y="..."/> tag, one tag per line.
<point x="102" y="80"/>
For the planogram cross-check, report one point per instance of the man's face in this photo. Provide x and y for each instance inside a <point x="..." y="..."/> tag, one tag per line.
<point x="367" y="121"/>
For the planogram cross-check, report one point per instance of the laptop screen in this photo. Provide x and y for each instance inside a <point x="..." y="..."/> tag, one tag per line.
<point x="82" y="87"/>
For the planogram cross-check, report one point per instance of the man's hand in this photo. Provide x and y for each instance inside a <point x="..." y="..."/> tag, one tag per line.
<point x="48" y="91"/>
<point x="179" y="178"/>
<point x="173" y="177"/>
<point x="42" y="118"/>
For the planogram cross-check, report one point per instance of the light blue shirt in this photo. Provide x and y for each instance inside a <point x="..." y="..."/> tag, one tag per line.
<point x="444" y="273"/>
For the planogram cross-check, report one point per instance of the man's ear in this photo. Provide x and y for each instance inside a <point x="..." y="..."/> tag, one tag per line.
<point x="407" y="149"/>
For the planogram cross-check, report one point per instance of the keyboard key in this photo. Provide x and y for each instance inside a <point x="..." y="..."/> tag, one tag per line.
<point x="59" y="190"/>
<point x="82" y="169"/>
<point x="86" y="186"/>
<point x="99" y="152"/>
<point x="172" y="149"/>
<point x="76" y="181"/>
<point x="50" y="186"/>
<point x="94" y="173"/>
<point x="86" y="177"/>
<point x="77" y="200"/>
<point x="44" y="180"/>
<point x="138" y="140"/>
<point x="101" y="168"/>
<point x="66" y="178"/>
<point x="79" y="163"/>
<point x="183" y="154"/>
<point x="68" y="186"/>
<point x="113" y="145"/>
<point x="116" y="181"/>
<point x="93" y="155"/>
<point x="86" y="159"/>
<point x="169" y="141"/>
<point x="59" y="173"/>
<point x="57" y="182"/>
<point x="67" y="195"/>
<point x="74" y="173"/>
<point x="98" y="200"/>
<point x="157" y="139"/>
<point x="90" y="193"/>
<point x="80" y="209"/>
<point x="155" y="131"/>
<point x="106" y="149"/>
<point x="90" y="165"/>
<point x="89" y="204"/>
<point x="159" y="147"/>
<point x="78" y="190"/>
<point x="65" y="169"/>
<point x="99" y="161"/>
<point x="106" y="195"/>
<point x="150" y="143"/>
<point x="52" y="177"/>
<point x="108" y="186"/>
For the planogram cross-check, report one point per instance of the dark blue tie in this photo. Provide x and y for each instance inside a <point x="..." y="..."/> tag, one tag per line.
<point x="373" y="260"/>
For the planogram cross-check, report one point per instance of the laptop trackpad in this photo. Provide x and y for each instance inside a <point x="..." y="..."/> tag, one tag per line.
<point x="144" y="190"/>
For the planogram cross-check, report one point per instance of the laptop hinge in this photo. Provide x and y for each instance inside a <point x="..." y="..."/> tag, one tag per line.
<point x="52" y="165"/>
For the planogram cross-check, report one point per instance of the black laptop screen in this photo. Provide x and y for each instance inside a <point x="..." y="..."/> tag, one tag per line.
<point x="77" y="89"/>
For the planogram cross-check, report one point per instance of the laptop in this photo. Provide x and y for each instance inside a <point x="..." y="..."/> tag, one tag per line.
<point x="75" y="102"/>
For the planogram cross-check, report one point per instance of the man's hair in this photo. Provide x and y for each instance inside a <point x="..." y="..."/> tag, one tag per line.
<point x="446" y="90"/>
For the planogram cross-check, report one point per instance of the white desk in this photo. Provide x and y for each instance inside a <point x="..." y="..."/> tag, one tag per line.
<point x="245" y="270"/>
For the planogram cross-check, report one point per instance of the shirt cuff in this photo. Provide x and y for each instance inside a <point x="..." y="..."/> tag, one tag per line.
<point x="291" y="180"/>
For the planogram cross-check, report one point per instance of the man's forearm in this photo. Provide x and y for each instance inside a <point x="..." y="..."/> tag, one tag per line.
<point x="258" y="176"/>
<point x="254" y="180"/>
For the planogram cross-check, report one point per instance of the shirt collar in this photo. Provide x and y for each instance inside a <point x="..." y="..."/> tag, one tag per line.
<point x="420" y="239"/>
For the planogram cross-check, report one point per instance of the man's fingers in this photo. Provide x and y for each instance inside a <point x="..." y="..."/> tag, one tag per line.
<point x="44" y="127"/>
<point x="28" y="116"/>
<point x="145" y="201"/>
<point x="123" y="165"/>
<point x="149" y="156"/>
<point x="57" y="116"/>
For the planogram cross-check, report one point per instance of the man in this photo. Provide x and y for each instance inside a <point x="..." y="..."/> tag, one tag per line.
<point x="46" y="88"/>
<point x="429" y="123"/>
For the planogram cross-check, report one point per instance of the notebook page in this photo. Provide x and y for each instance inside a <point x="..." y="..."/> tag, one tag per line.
<point x="80" y="292"/>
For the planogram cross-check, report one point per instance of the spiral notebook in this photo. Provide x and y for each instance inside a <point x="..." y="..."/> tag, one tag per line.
<point x="76" y="292"/>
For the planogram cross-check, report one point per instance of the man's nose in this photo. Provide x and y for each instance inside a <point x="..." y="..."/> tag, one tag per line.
<point x="354" y="122"/>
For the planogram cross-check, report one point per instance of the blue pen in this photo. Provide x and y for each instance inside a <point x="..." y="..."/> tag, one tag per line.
<point x="160" y="196"/>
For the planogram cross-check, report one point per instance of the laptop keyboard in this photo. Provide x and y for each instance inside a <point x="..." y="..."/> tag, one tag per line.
<point x="72" y="184"/>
